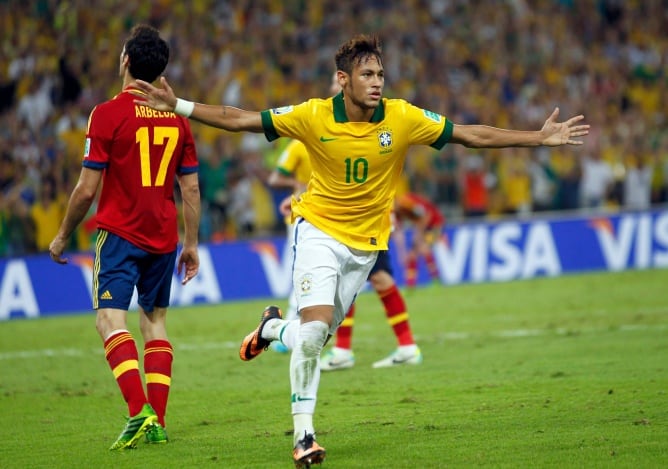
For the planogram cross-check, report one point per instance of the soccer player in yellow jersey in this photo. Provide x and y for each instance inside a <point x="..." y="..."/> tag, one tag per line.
<point x="357" y="143"/>
<point x="293" y="172"/>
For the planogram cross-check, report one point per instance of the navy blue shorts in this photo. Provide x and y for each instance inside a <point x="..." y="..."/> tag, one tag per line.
<point x="120" y="266"/>
<point x="382" y="263"/>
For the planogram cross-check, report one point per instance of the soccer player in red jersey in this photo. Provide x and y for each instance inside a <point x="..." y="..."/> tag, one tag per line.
<point x="427" y="221"/>
<point x="137" y="153"/>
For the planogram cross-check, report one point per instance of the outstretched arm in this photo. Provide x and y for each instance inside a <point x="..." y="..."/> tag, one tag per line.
<point x="552" y="134"/>
<point x="224" y="117"/>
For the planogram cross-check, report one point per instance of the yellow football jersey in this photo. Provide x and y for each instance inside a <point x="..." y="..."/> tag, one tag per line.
<point x="356" y="165"/>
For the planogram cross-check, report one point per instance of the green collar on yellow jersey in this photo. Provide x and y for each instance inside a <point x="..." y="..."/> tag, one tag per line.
<point x="340" y="110"/>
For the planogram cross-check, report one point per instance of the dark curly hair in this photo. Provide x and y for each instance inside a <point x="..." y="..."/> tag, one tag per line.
<point x="147" y="51"/>
<point x="356" y="51"/>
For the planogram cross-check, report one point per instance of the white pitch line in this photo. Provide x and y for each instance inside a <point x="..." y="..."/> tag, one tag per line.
<point x="71" y="352"/>
<point x="200" y="346"/>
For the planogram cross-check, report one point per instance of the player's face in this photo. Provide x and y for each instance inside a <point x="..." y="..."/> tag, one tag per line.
<point x="364" y="87"/>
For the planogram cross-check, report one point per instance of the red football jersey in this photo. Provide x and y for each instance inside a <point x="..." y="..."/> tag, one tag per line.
<point x="140" y="151"/>
<point x="414" y="207"/>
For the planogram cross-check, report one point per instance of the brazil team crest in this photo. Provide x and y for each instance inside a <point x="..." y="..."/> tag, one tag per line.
<point x="385" y="139"/>
<point x="305" y="284"/>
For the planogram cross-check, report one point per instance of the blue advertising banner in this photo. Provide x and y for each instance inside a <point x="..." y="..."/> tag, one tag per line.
<point x="468" y="253"/>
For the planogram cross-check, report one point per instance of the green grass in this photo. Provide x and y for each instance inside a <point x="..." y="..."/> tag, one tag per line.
<point x="567" y="372"/>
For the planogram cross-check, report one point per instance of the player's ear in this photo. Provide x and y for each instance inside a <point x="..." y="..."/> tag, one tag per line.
<point x="342" y="78"/>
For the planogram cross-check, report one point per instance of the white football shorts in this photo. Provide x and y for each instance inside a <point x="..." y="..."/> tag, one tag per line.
<point x="327" y="272"/>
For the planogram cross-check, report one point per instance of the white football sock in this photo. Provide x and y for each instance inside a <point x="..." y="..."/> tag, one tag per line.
<point x="114" y="332"/>
<point x="272" y="328"/>
<point x="305" y="368"/>
<point x="289" y="332"/>
<point x="303" y="422"/>
<point x="408" y="348"/>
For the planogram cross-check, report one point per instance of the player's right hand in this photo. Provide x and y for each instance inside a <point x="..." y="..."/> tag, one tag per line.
<point x="161" y="99"/>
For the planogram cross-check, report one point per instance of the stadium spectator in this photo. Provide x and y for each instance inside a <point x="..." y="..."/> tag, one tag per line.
<point x="515" y="181"/>
<point x="137" y="156"/>
<point x="36" y="107"/>
<point x="660" y="175"/>
<point x="4" y="234"/>
<point x="568" y="171"/>
<point x="47" y="213"/>
<point x="342" y="217"/>
<point x="19" y="225"/>
<point x="7" y="170"/>
<point x="543" y="182"/>
<point x="597" y="181"/>
<point x="241" y="207"/>
<point x="638" y="183"/>
<point x="214" y="176"/>
<point x="445" y="169"/>
<point x="475" y="186"/>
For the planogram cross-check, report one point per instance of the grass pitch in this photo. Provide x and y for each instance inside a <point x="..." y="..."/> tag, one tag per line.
<point x="565" y="372"/>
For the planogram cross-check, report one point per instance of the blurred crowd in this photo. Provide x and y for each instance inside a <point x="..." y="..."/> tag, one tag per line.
<point x="504" y="63"/>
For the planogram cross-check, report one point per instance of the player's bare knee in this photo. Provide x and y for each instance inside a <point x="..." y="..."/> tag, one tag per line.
<point x="152" y="325"/>
<point x="324" y="313"/>
<point x="108" y="320"/>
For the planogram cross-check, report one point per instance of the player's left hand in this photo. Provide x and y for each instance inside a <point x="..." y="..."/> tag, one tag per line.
<point x="562" y="133"/>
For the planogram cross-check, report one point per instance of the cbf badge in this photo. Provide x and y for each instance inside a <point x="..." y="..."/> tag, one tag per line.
<point x="305" y="284"/>
<point x="385" y="140"/>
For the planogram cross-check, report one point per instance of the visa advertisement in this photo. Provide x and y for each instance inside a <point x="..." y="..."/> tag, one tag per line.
<point x="497" y="251"/>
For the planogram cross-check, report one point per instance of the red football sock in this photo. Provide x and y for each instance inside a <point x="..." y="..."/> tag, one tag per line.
<point x="158" y="355"/>
<point x="344" y="334"/>
<point x="411" y="271"/>
<point x="121" y="353"/>
<point x="397" y="316"/>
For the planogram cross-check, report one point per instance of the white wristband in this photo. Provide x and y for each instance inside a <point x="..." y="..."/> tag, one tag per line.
<point x="184" y="108"/>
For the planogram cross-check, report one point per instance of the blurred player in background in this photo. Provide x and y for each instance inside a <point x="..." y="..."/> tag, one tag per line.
<point x="427" y="222"/>
<point x="137" y="153"/>
<point x="357" y="143"/>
